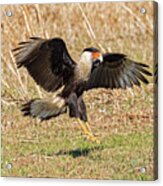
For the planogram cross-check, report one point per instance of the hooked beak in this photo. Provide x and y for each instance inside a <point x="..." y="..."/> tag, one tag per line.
<point x="96" y="63"/>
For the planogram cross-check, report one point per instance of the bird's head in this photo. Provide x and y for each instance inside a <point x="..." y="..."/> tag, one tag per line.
<point x="93" y="56"/>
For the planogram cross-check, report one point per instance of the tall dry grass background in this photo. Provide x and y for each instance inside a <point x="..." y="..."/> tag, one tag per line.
<point x="121" y="119"/>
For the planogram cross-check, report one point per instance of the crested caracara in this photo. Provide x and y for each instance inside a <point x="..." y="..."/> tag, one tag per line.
<point x="51" y="66"/>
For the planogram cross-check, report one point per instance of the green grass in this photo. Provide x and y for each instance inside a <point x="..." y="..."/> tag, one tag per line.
<point x="62" y="156"/>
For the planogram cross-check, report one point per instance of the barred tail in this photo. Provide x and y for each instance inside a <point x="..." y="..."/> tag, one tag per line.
<point x="44" y="109"/>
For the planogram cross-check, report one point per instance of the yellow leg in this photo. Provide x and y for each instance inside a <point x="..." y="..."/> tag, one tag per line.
<point x="84" y="128"/>
<point x="88" y="127"/>
<point x="87" y="130"/>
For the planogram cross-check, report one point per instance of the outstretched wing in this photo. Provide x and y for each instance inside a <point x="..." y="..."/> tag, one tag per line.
<point x="117" y="71"/>
<point x="47" y="61"/>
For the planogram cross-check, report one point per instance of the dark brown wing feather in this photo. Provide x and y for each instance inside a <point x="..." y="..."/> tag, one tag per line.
<point x="47" y="61"/>
<point x="156" y="73"/>
<point x="117" y="71"/>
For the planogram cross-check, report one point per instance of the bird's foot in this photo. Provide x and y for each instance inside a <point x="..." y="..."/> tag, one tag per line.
<point x="93" y="138"/>
<point x="88" y="132"/>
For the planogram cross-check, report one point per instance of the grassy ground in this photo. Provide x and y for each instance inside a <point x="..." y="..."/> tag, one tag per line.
<point x="121" y="119"/>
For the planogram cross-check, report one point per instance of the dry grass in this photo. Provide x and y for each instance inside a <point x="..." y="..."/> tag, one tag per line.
<point x="123" y="120"/>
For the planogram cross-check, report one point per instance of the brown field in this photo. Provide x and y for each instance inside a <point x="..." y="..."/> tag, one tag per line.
<point x="121" y="119"/>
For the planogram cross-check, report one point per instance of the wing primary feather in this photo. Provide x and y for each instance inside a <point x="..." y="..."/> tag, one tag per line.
<point x="143" y="70"/>
<point x="35" y="38"/>
<point x="133" y="78"/>
<point x="127" y="81"/>
<point x="24" y="43"/>
<point x="141" y="77"/>
<point x="141" y="64"/>
<point x="41" y="62"/>
<point x="17" y="49"/>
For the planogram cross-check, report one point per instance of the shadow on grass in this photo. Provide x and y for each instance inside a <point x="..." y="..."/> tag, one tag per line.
<point x="78" y="152"/>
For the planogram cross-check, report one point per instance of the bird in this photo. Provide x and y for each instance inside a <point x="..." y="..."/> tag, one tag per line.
<point x="49" y="63"/>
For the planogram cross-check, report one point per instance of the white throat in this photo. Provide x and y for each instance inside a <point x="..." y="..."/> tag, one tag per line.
<point x="84" y="66"/>
<point x="86" y="57"/>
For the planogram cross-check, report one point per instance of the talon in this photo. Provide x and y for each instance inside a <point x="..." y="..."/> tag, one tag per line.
<point x="93" y="139"/>
<point x="88" y="132"/>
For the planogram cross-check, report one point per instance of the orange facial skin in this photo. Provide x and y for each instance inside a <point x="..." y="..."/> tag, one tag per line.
<point x="96" y="55"/>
